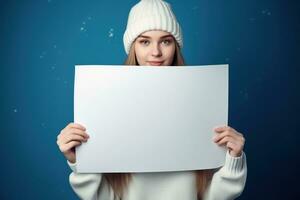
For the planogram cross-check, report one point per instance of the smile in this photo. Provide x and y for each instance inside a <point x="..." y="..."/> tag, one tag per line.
<point x="155" y="63"/>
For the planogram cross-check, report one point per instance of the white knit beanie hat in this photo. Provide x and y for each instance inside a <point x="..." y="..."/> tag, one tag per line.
<point x="151" y="15"/>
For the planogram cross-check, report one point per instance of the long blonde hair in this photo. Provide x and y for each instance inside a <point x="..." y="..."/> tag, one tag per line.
<point x="120" y="181"/>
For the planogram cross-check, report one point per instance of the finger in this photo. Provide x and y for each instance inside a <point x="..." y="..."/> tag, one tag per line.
<point x="70" y="126"/>
<point x="69" y="146"/>
<point x="226" y="139"/>
<point x="77" y="131"/>
<point x="222" y="128"/>
<point x="76" y="125"/>
<point x="219" y="136"/>
<point x="74" y="137"/>
<point x="237" y="145"/>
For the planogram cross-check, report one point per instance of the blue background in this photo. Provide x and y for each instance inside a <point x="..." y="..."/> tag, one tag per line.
<point x="41" y="41"/>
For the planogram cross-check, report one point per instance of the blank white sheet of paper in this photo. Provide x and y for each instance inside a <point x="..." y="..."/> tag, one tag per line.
<point x="150" y="119"/>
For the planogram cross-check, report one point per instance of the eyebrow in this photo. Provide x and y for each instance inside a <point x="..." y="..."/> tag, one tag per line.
<point x="145" y="36"/>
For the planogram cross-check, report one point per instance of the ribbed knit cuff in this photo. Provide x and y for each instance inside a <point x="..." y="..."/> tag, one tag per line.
<point x="72" y="166"/>
<point x="234" y="164"/>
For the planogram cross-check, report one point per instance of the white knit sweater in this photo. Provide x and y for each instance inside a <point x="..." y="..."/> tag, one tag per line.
<point x="227" y="184"/>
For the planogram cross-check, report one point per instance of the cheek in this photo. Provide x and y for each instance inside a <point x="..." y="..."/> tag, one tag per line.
<point x="170" y="55"/>
<point x="140" y="58"/>
<point x="140" y="55"/>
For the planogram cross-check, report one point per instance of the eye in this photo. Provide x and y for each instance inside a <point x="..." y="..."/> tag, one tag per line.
<point x="167" y="41"/>
<point x="144" y="42"/>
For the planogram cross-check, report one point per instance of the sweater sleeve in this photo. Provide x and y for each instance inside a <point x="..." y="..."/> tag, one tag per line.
<point x="86" y="186"/>
<point x="229" y="181"/>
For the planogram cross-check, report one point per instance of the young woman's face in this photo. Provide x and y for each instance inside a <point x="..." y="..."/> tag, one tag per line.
<point x="155" y="48"/>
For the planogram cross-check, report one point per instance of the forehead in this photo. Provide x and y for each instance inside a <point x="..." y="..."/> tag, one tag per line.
<point x="155" y="34"/>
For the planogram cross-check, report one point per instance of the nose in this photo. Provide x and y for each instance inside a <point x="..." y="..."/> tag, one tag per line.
<point x="156" y="51"/>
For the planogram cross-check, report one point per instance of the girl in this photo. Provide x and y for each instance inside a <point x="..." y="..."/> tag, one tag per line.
<point x="153" y="37"/>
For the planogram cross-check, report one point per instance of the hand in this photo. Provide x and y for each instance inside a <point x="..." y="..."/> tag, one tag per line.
<point x="70" y="137"/>
<point x="233" y="140"/>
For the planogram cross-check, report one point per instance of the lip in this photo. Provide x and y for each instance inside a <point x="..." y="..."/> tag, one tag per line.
<point x="155" y="63"/>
